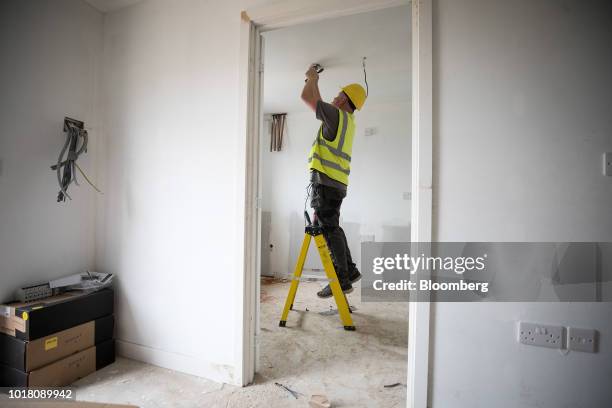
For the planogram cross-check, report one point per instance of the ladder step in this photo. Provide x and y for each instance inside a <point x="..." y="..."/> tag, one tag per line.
<point x="310" y="278"/>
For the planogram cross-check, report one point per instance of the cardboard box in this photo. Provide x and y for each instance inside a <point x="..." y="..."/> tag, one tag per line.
<point x="62" y="372"/>
<point x="31" y="321"/>
<point x="9" y="323"/>
<point x="27" y="356"/>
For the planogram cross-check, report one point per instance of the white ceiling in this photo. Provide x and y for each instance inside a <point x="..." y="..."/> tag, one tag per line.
<point x="106" y="6"/>
<point x="339" y="44"/>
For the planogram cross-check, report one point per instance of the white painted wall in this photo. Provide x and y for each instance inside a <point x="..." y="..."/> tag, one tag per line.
<point x="522" y="111"/>
<point x="51" y="55"/>
<point x="374" y="207"/>
<point x="167" y="223"/>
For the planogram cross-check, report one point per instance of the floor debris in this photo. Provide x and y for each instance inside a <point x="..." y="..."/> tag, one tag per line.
<point x="392" y="385"/>
<point x="330" y="312"/>
<point x="319" y="401"/>
<point x="294" y="393"/>
<point x="316" y="359"/>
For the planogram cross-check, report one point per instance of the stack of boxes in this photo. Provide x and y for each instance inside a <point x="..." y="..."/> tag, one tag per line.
<point x="55" y="341"/>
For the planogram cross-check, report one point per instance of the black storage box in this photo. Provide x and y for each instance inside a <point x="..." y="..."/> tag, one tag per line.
<point x="31" y="321"/>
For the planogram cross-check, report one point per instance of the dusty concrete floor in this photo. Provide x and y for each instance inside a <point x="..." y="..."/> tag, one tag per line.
<point x="312" y="355"/>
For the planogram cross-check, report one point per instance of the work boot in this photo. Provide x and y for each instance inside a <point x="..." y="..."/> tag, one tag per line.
<point x="327" y="292"/>
<point x="354" y="276"/>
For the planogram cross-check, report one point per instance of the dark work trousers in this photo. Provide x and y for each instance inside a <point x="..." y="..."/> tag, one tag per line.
<point x="326" y="202"/>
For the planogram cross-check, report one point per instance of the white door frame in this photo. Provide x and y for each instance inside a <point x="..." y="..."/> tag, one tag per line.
<point x="419" y="317"/>
<point x="288" y="13"/>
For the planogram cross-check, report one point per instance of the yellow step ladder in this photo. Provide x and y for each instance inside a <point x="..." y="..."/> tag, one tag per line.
<point x="315" y="231"/>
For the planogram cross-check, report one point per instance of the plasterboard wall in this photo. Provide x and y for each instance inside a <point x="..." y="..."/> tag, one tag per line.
<point x="521" y="119"/>
<point x="51" y="55"/>
<point x="168" y="220"/>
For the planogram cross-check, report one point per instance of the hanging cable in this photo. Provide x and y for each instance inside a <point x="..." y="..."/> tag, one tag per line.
<point x="365" y="76"/>
<point x="86" y="178"/>
<point x="308" y="194"/>
<point x="66" y="169"/>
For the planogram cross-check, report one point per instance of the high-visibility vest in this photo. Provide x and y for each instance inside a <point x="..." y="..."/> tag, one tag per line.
<point x="334" y="158"/>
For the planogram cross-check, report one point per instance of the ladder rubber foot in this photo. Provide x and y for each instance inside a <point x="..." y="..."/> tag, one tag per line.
<point x="282" y="323"/>
<point x="349" y="328"/>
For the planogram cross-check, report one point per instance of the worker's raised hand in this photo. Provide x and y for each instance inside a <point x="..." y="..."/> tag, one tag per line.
<point x="312" y="72"/>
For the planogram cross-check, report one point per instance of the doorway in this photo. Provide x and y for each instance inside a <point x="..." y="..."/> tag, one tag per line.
<point x="268" y="18"/>
<point x="313" y="354"/>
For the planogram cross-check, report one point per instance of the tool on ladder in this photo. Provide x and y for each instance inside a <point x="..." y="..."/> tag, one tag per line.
<point x="314" y="230"/>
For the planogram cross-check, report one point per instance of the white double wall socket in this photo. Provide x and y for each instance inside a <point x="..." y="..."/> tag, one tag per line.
<point x="558" y="337"/>
<point x="541" y="335"/>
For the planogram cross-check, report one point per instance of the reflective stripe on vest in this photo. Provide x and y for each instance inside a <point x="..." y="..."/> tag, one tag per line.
<point x="334" y="157"/>
<point x="328" y="163"/>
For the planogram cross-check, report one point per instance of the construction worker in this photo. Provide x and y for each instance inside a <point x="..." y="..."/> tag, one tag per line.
<point x="329" y="162"/>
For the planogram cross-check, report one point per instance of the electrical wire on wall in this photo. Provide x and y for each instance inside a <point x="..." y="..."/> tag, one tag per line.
<point x="66" y="168"/>
<point x="365" y="76"/>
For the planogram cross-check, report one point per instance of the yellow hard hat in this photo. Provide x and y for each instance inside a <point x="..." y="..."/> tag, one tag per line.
<point x="356" y="94"/>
